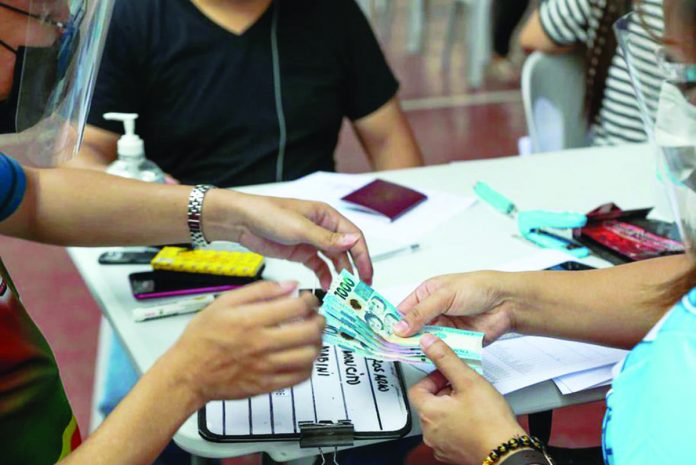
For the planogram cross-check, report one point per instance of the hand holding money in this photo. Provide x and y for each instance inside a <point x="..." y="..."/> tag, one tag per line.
<point x="477" y="301"/>
<point x="360" y="319"/>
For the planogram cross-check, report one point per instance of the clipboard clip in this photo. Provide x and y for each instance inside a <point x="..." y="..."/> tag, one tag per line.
<point x="326" y="433"/>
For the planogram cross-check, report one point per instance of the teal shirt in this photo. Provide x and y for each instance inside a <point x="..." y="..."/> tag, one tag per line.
<point x="651" y="413"/>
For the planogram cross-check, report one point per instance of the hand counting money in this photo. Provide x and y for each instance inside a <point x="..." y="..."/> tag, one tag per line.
<point x="358" y="318"/>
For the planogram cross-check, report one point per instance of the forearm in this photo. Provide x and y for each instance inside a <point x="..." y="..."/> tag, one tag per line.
<point x="86" y="208"/>
<point x="396" y="151"/>
<point x="613" y="306"/>
<point x="388" y="139"/>
<point x="98" y="149"/>
<point x="142" y="424"/>
<point x="89" y="158"/>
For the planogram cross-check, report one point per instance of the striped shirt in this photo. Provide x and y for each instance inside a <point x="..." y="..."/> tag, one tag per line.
<point x="575" y="23"/>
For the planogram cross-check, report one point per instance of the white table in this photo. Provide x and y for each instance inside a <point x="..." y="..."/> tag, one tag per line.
<point x="478" y="238"/>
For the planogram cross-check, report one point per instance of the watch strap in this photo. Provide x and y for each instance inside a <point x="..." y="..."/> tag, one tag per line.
<point x="195" y="214"/>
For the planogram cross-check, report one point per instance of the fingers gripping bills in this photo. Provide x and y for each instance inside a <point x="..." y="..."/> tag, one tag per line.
<point x="358" y="318"/>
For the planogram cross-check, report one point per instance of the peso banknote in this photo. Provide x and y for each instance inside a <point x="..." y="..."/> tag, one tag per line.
<point x="360" y="319"/>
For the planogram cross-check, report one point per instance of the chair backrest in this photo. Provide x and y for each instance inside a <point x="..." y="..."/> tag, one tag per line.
<point x="553" y="92"/>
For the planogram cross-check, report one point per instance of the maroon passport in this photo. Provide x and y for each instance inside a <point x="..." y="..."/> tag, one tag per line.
<point x="386" y="198"/>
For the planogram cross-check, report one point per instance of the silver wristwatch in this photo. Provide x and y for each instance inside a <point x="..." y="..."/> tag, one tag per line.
<point x="195" y="210"/>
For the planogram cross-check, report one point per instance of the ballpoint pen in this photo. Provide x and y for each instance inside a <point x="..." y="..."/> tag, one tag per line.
<point x="532" y="223"/>
<point x="393" y="253"/>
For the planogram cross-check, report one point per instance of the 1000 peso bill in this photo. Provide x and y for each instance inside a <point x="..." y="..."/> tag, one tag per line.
<point x="360" y="319"/>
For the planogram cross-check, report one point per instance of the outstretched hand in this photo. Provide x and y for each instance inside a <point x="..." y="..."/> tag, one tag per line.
<point x="466" y="301"/>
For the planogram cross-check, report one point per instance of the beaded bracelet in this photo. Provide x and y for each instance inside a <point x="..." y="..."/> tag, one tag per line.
<point x="515" y="443"/>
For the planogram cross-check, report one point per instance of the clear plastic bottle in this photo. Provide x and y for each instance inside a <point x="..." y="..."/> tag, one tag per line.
<point x="131" y="162"/>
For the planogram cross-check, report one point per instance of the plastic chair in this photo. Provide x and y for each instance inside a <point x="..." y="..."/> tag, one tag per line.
<point x="553" y="96"/>
<point x="416" y="20"/>
<point x="478" y="27"/>
<point x="416" y="26"/>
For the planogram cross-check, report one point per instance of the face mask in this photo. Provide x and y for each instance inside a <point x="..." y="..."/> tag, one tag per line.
<point x="34" y="96"/>
<point x="8" y="107"/>
<point x="48" y="67"/>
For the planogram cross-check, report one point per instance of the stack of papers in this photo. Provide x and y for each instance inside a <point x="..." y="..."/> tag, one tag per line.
<point x="516" y="362"/>
<point x="587" y="379"/>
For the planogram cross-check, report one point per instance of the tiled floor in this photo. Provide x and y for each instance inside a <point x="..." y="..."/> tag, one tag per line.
<point x="450" y="122"/>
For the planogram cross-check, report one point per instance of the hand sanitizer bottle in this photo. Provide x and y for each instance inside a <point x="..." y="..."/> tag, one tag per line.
<point x="131" y="162"/>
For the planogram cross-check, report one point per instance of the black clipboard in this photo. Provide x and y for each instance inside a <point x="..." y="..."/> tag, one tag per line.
<point x="347" y="398"/>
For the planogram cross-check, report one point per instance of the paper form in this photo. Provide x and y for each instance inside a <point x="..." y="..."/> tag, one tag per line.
<point x="343" y="386"/>
<point x="588" y="379"/>
<point x="515" y="363"/>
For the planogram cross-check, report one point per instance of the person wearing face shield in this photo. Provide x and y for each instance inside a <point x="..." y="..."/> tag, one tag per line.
<point x="648" y="307"/>
<point x="247" y="342"/>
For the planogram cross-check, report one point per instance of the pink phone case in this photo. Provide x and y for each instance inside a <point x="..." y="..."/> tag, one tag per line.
<point x="201" y="290"/>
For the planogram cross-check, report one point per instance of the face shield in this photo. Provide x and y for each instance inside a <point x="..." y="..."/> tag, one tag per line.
<point x="45" y="91"/>
<point x="666" y="93"/>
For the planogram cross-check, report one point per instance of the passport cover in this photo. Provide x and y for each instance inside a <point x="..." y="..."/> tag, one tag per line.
<point x="386" y="198"/>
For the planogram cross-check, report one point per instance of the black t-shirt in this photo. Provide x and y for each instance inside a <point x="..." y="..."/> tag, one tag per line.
<point x="206" y="96"/>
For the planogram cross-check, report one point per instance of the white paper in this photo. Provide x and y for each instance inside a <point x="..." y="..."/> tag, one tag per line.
<point x="513" y="364"/>
<point x="582" y="380"/>
<point x="409" y="228"/>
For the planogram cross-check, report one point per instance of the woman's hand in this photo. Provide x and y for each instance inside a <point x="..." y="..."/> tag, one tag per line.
<point x="467" y="301"/>
<point x="462" y="416"/>
<point x="290" y="229"/>
<point x="249" y="341"/>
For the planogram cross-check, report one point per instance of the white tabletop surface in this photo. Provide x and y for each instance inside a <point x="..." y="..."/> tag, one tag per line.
<point x="478" y="238"/>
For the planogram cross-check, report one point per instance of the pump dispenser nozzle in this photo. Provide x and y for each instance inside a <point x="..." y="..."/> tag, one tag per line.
<point x="130" y="144"/>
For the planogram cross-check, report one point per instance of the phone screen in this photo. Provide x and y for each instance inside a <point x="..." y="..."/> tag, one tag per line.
<point x="156" y="284"/>
<point x="570" y="266"/>
<point x="127" y="257"/>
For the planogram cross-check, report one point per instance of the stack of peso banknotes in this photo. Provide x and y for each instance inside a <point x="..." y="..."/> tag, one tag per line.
<point x="359" y="319"/>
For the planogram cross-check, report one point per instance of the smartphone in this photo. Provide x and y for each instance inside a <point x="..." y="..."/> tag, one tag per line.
<point x="570" y="266"/>
<point x="128" y="257"/>
<point x="157" y="284"/>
